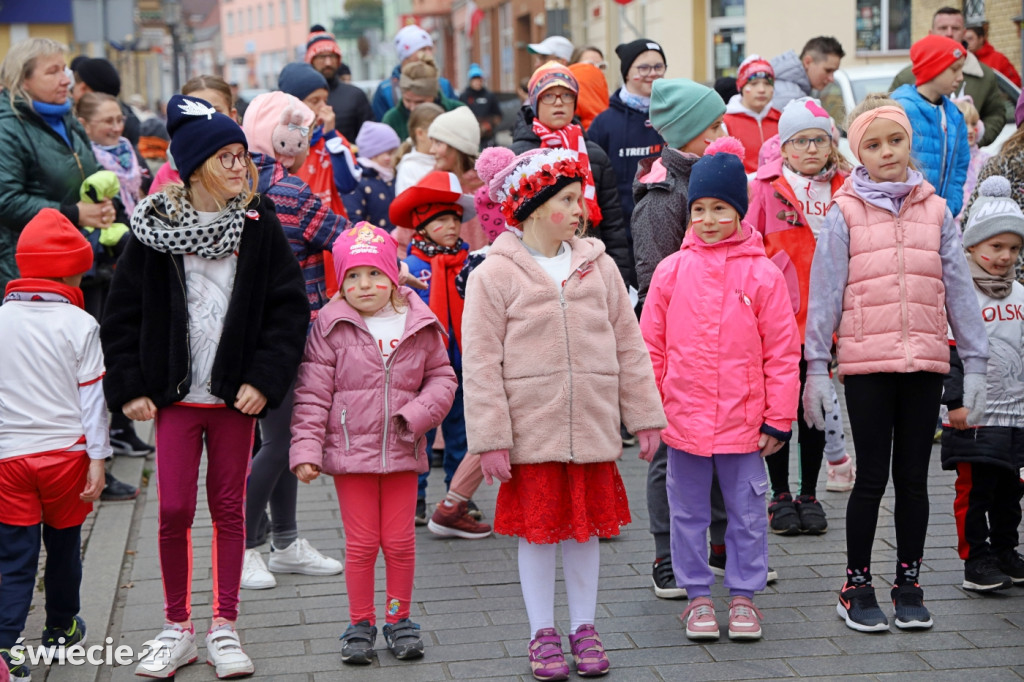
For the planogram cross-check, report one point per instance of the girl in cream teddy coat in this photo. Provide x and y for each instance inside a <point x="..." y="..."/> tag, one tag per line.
<point x="553" y="362"/>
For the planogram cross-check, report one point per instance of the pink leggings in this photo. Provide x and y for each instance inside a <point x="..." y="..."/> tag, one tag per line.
<point x="179" y="446"/>
<point x="378" y="512"/>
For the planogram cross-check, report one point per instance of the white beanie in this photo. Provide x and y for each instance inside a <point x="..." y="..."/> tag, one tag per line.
<point x="410" y="40"/>
<point x="993" y="212"/>
<point x="457" y="128"/>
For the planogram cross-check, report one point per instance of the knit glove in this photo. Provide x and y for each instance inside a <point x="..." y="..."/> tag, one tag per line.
<point x="649" y="439"/>
<point x="494" y="464"/>
<point x="817" y="400"/>
<point x="974" y="396"/>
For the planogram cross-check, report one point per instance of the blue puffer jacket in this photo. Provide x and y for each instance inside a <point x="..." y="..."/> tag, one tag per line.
<point x="947" y="174"/>
<point x="627" y="137"/>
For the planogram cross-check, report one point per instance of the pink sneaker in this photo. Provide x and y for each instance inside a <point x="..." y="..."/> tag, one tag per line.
<point x="546" y="658"/>
<point x="588" y="652"/>
<point x="700" y="620"/>
<point x="744" y="619"/>
<point x="841" y="476"/>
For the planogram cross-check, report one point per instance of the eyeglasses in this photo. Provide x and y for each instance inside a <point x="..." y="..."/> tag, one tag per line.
<point x="802" y="143"/>
<point x="227" y="159"/>
<point x="550" y="97"/>
<point x="648" y="69"/>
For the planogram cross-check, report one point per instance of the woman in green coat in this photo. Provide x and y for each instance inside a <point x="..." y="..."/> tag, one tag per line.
<point x="46" y="153"/>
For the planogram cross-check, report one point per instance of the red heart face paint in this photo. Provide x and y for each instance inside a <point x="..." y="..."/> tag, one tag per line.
<point x="557" y="218"/>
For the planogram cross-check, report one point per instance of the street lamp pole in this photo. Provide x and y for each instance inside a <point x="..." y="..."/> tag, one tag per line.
<point x="172" y="17"/>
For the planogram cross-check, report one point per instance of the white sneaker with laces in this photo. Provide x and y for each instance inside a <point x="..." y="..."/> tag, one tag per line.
<point x="300" y="557"/>
<point x="224" y="652"/>
<point x="255" y="575"/>
<point x="841" y="477"/>
<point x="168" y="651"/>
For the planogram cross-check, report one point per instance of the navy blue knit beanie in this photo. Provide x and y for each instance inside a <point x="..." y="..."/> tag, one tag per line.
<point x="198" y="132"/>
<point x="299" y="79"/>
<point x="719" y="176"/>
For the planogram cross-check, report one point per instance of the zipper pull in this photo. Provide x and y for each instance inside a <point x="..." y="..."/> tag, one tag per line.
<point x="344" y="413"/>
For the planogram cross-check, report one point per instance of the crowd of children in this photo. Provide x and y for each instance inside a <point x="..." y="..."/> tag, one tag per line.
<point x="487" y="296"/>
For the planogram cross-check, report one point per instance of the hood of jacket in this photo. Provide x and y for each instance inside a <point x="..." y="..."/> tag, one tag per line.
<point x="271" y="171"/>
<point x="736" y="106"/>
<point x="788" y="67"/>
<point x="662" y="172"/>
<point x="745" y="242"/>
<point x="419" y="316"/>
<point x="509" y="246"/>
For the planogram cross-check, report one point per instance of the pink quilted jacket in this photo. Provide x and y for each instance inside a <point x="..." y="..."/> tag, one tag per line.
<point x="894" y="305"/>
<point x="719" y="324"/>
<point x="347" y="398"/>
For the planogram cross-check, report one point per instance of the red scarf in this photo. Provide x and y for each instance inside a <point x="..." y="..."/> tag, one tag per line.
<point x="33" y="285"/>
<point x="571" y="137"/>
<point x="445" y="301"/>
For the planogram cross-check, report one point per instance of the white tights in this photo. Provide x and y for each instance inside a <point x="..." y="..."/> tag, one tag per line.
<point x="581" y="564"/>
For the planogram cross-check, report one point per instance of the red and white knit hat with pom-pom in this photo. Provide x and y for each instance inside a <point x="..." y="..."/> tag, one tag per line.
<point x="520" y="184"/>
<point x="719" y="174"/>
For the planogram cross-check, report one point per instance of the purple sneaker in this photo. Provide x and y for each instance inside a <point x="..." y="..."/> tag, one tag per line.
<point x="588" y="652"/>
<point x="546" y="658"/>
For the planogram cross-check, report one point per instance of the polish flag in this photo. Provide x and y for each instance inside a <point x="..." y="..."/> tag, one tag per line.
<point x="476" y="15"/>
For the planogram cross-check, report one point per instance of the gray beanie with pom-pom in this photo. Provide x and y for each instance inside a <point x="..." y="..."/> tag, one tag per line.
<point x="993" y="212"/>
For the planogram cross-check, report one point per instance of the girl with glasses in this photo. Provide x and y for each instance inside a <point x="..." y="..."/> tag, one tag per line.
<point x="548" y="121"/>
<point x="204" y="332"/>
<point x="789" y="198"/>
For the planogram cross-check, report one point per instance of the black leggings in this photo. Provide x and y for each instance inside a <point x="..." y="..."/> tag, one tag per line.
<point x="812" y="449"/>
<point x="892" y="417"/>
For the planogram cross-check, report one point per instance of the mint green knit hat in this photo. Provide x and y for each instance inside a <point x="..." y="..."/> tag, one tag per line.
<point x="682" y="109"/>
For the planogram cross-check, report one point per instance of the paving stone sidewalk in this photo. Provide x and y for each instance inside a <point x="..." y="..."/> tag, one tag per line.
<point x="468" y="602"/>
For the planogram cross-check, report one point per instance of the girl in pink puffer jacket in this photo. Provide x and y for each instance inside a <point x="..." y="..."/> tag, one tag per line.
<point x="374" y="379"/>
<point x="725" y="346"/>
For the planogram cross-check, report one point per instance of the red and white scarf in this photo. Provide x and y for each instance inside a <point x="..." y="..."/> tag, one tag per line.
<point x="571" y="137"/>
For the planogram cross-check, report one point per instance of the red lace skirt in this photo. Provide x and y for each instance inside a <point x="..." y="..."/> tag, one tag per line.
<point x="555" y="501"/>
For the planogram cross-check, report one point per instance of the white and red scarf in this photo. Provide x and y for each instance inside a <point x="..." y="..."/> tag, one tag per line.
<point x="571" y="137"/>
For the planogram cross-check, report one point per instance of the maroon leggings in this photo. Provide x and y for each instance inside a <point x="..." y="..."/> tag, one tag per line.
<point x="179" y="447"/>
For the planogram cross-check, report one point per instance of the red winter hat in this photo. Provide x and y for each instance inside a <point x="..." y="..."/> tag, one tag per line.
<point x="438" y="193"/>
<point x="932" y="55"/>
<point x="754" y="67"/>
<point x="50" y="246"/>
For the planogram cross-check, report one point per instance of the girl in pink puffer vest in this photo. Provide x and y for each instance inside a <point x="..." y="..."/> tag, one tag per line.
<point x="888" y="270"/>
<point x="374" y="379"/>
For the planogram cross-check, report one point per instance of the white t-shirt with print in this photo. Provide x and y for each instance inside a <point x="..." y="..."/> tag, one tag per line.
<point x="814" y="197"/>
<point x="209" y="284"/>
<point x="387" y="327"/>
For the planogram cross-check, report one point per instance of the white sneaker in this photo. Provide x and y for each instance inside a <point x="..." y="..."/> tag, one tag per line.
<point x="170" y="650"/>
<point x="841" y="477"/>
<point x="300" y="557"/>
<point x="255" y="575"/>
<point x="224" y="652"/>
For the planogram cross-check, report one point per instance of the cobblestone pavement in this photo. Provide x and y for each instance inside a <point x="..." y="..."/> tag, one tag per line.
<point x="468" y="602"/>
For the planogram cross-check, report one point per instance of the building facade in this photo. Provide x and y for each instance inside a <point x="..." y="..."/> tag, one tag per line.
<point x="259" y="37"/>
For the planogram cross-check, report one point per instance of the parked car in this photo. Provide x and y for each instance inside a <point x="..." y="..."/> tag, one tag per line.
<point x="852" y="85"/>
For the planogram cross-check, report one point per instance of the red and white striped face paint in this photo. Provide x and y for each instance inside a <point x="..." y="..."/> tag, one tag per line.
<point x="713" y="219"/>
<point x="366" y="289"/>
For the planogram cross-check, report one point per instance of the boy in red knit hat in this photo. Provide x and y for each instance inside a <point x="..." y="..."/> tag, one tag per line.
<point x="940" y="147"/>
<point x="55" y="437"/>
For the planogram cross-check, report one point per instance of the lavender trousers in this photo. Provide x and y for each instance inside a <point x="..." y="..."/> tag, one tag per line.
<point x="744" y="484"/>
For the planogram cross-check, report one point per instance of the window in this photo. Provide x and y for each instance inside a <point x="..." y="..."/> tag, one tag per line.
<point x="270" y="15"/>
<point x="483" y="32"/>
<point x="230" y="16"/>
<point x="284" y="12"/>
<point x="727" y="37"/>
<point x="249" y="22"/>
<point x="296" y="10"/>
<point x="259" y="18"/>
<point x="883" y="25"/>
